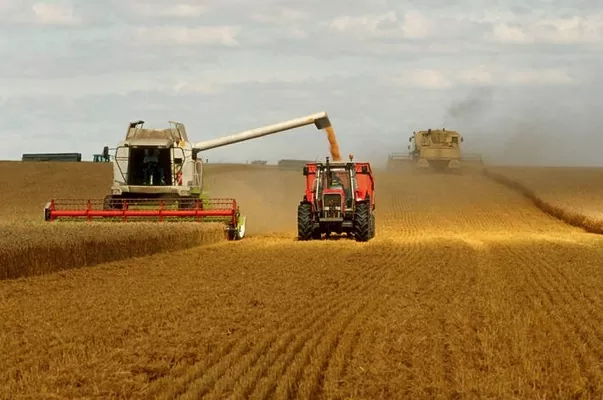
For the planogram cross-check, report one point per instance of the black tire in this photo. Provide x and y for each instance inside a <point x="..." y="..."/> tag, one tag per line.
<point x="362" y="222"/>
<point x="305" y="230"/>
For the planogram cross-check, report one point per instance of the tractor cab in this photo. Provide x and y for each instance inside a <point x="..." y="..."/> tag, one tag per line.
<point x="335" y="185"/>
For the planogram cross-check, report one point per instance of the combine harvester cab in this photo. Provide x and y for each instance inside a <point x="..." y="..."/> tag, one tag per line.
<point x="158" y="175"/>
<point x="439" y="149"/>
<point x="339" y="198"/>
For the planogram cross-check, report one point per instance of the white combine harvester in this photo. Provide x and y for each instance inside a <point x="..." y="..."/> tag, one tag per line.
<point x="158" y="174"/>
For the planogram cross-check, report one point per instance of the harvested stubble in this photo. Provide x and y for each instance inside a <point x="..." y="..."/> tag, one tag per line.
<point x="571" y="194"/>
<point x="36" y="249"/>
<point x="475" y="293"/>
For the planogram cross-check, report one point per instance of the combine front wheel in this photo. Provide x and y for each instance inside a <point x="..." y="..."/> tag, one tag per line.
<point x="305" y="230"/>
<point x="238" y="232"/>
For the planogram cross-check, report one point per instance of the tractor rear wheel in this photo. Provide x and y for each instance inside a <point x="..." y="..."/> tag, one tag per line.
<point x="305" y="229"/>
<point x="362" y="222"/>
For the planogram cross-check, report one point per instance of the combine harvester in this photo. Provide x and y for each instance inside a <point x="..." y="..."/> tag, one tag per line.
<point x="158" y="174"/>
<point x="339" y="198"/>
<point x="438" y="148"/>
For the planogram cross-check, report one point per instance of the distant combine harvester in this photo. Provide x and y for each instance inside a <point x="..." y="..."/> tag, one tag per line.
<point x="70" y="157"/>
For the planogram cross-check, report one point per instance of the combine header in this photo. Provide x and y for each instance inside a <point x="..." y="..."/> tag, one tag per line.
<point x="158" y="175"/>
<point x="339" y="198"/>
<point x="436" y="148"/>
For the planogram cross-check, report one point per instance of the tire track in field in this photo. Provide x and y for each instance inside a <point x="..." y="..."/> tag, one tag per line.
<point x="201" y="374"/>
<point x="233" y="373"/>
<point x="423" y="296"/>
<point x="312" y="382"/>
<point x="246" y="373"/>
<point x="550" y="293"/>
<point x="263" y="378"/>
<point x="592" y="304"/>
<point x="300" y="345"/>
<point x="336" y="369"/>
<point x="570" y="304"/>
<point x="591" y="307"/>
<point x="459" y="269"/>
<point x="203" y="377"/>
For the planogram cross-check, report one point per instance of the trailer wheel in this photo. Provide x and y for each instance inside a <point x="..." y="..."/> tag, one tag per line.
<point x="362" y="222"/>
<point x="304" y="221"/>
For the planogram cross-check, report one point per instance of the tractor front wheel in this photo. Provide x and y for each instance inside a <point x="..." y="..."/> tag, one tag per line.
<point x="305" y="230"/>
<point x="362" y="222"/>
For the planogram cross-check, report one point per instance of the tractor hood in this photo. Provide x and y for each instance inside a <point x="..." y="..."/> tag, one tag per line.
<point x="150" y="142"/>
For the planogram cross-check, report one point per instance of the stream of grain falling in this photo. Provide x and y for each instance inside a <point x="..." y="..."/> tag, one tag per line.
<point x="334" y="147"/>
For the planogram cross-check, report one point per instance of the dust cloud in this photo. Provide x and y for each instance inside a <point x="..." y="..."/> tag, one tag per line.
<point x="538" y="126"/>
<point x="268" y="196"/>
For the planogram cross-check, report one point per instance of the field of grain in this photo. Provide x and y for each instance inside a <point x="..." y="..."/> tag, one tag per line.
<point x="468" y="290"/>
<point x="30" y="246"/>
<point x="572" y="194"/>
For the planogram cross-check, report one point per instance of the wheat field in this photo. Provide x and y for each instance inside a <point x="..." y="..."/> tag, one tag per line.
<point x="467" y="291"/>
<point x="572" y="194"/>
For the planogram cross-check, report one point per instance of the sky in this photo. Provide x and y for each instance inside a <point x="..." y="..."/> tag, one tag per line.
<point x="520" y="80"/>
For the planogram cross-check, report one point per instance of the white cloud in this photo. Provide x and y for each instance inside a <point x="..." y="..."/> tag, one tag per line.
<point x="387" y="25"/>
<point x="505" y="33"/>
<point x="415" y="25"/>
<point x="571" y="30"/>
<point x="184" y="87"/>
<point x="204" y="35"/>
<point x="151" y="9"/>
<point x="55" y="14"/>
<point x="425" y="78"/>
<point x="292" y="21"/>
<point x="283" y="17"/>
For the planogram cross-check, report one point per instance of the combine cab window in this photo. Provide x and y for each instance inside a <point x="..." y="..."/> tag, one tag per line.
<point x="149" y="165"/>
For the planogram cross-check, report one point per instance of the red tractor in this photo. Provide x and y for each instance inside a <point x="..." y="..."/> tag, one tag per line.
<point x="340" y="198"/>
